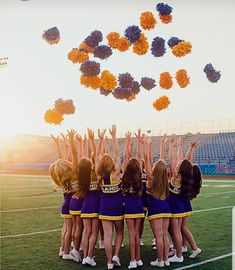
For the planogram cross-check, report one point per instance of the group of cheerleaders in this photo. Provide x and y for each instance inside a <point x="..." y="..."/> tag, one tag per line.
<point x="100" y="193"/>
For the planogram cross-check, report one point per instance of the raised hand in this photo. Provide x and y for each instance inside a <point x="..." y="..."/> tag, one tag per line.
<point x="71" y="134"/>
<point x="55" y="139"/>
<point x="180" y="141"/>
<point x="113" y="131"/>
<point x="128" y="135"/>
<point x="194" y="144"/>
<point x="138" y="135"/>
<point x="173" y="140"/>
<point x="85" y="138"/>
<point x="79" y="138"/>
<point x="101" y="133"/>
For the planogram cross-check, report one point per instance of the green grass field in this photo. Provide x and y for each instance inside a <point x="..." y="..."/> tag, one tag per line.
<point x="29" y="205"/>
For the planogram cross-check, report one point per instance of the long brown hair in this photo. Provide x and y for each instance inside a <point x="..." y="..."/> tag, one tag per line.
<point x="160" y="187"/>
<point x="105" y="167"/>
<point x="186" y="174"/>
<point x="84" y="177"/>
<point x="132" y="177"/>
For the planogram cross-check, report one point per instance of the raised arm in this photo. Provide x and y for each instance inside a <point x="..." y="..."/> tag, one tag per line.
<point x="191" y="150"/>
<point x="57" y="143"/>
<point x="89" y="148"/>
<point x="71" y="135"/>
<point x="100" y="149"/>
<point x="150" y="152"/>
<point x="163" y="142"/>
<point x="66" y="147"/>
<point x="80" y="143"/>
<point x="85" y="144"/>
<point x="91" y="136"/>
<point x="147" y="164"/>
<point x="172" y="156"/>
<point x="138" y="138"/>
<point x="106" y="145"/>
<point x="127" y="149"/>
<point x="180" y="150"/>
<point x="117" y="164"/>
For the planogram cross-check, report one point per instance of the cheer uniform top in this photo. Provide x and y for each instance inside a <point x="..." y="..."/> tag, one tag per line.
<point x="91" y="203"/>
<point x="144" y="191"/>
<point x="133" y="205"/>
<point x="175" y="201"/>
<point x="111" y="203"/>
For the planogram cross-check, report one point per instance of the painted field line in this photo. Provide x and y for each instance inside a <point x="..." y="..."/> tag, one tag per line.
<point x="218" y="181"/>
<point x="34" y="196"/>
<point x="28" y="234"/>
<point x="56" y="230"/>
<point x="204" y="262"/>
<point x="26" y="190"/>
<point x="216" y="193"/>
<point x="29" y="209"/>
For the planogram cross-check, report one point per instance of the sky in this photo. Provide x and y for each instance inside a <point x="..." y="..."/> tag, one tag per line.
<point x="37" y="73"/>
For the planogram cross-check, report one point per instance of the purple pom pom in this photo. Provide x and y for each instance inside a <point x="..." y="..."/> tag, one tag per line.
<point x="212" y="74"/>
<point x="104" y="92"/>
<point x="135" y="87"/>
<point x="132" y="33"/>
<point x="94" y="39"/>
<point x="127" y="93"/>
<point x="173" y="41"/>
<point x="164" y="9"/>
<point x="51" y="34"/>
<point x="118" y="93"/>
<point x="90" y="68"/>
<point x="125" y="80"/>
<point x="102" y="51"/>
<point x="148" y="83"/>
<point x="158" y="47"/>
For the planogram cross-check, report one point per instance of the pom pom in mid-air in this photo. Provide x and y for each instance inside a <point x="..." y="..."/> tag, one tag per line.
<point x="108" y="81"/>
<point x="147" y="20"/>
<point x="165" y="80"/>
<point x="123" y="44"/>
<point x="85" y="48"/>
<point x="211" y="74"/>
<point x="148" y="83"/>
<point x="164" y="12"/>
<point x="174" y="41"/>
<point x="125" y="80"/>
<point x="104" y="92"/>
<point x="90" y="68"/>
<point x="135" y="87"/>
<point x="166" y="18"/>
<point x="64" y="106"/>
<point x="181" y="49"/>
<point x="76" y="56"/>
<point x="94" y="39"/>
<point x="113" y="39"/>
<point x="141" y="46"/>
<point x="52" y="35"/>
<point x="158" y="47"/>
<point x="118" y="93"/>
<point x="182" y="78"/>
<point x="161" y="103"/>
<point x="132" y="33"/>
<point x="102" y="52"/>
<point x="92" y="82"/>
<point x="53" y="117"/>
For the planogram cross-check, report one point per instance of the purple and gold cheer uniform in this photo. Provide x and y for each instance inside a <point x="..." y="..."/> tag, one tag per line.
<point x="133" y="205"/>
<point x="144" y="191"/>
<point x="187" y="206"/>
<point x="175" y="201"/>
<point x="157" y="208"/>
<point x="66" y="204"/>
<point x="91" y="203"/>
<point x="111" y="203"/>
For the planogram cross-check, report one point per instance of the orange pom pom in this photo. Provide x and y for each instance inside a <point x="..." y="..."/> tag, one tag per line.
<point x="123" y="44"/>
<point x="93" y="82"/>
<point x="53" y="117"/>
<point x="85" y="47"/>
<point x="108" y="81"/>
<point x="147" y="20"/>
<point x="161" y="103"/>
<point x="166" y="18"/>
<point x="182" y="48"/>
<point x="182" y="78"/>
<point x="113" y="39"/>
<point x="141" y="46"/>
<point x="165" y="81"/>
<point x="77" y="57"/>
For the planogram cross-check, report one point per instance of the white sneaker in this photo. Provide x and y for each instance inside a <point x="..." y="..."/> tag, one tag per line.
<point x="141" y="242"/>
<point x="90" y="261"/>
<point x="167" y="263"/>
<point x="76" y="254"/>
<point x="154" y="242"/>
<point x="72" y="244"/>
<point x="171" y="253"/>
<point x="195" y="253"/>
<point x="101" y="244"/>
<point x="84" y="261"/>
<point x="61" y="252"/>
<point x="157" y="263"/>
<point x="132" y="265"/>
<point x="154" y="248"/>
<point x="176" y="259"/>
<point x="184" y="249"/>
<point x="68" y="257"/>
<point x="116" y="261"/>
<point x="139" y="263"/>
<point x="113" y="243"/>
<point x="171" y="246"/>
<point x="110" y="265"/>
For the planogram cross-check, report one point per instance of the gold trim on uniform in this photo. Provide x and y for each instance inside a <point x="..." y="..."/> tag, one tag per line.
<point x="111" y="188"/>
<point x="75" y="213"/>
<point x="164" y="215"/>
<point x="134" y="215"/>
<point x="92" y="215"/>
<point x="178" y="215"/>
<point x="94" y="186"/>
<point x="188" y="213"/>
<point x="111" y="217"/>
<point x="65" y="216"/>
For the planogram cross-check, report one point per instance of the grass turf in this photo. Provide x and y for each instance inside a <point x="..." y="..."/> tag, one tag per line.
<point x="212" y="229"/>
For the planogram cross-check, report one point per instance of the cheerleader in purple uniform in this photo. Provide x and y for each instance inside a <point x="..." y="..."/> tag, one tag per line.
<point x="64" y="175"/>
<point x="89" y="192"/>
<point x="158" y="207"/>
<point x="133" y="206"/>
<point x="111" y="204"/>
<point x="189" y="191"/>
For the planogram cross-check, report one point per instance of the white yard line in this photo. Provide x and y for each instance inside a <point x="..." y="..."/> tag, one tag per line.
<point x="42" y="232"/>
<point x="216" y="193"/>
<point x="29" y="209"/>
<point x="204" y="262"/>
<point x="218" y="181"/>
<point x="34" y="196"/>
